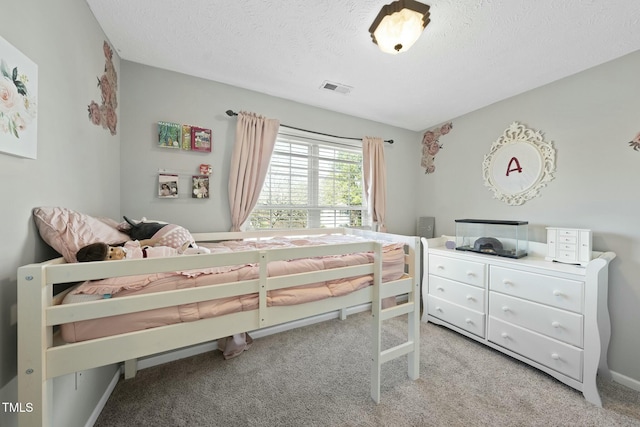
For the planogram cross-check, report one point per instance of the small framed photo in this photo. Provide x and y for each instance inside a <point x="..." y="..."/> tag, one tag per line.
<point x="201" y="139"/>
<point x="200" y="187"/>
<point x="169" y="134"/>
<point x="167" y="186"/>
<point x="186" y="137"/>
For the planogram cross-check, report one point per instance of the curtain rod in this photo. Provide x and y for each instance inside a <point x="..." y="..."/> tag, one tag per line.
<point x="231" y="113"/>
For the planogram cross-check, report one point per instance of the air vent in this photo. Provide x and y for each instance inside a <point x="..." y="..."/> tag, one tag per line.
<point x="336" y="87"/>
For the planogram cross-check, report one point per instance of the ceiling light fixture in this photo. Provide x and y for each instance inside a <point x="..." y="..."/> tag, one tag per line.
<point x="399" y="25"/>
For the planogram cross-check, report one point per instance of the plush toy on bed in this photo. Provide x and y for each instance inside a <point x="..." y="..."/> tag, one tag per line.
<point x="172" y="235"/>
<point x="140" y="230"/>
<point x="148" y="240"/>
<point x="67" y="231"/>
<point x="133" y="249"/>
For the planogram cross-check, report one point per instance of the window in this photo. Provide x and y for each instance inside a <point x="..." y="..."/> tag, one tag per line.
<point x="313" y="182"/>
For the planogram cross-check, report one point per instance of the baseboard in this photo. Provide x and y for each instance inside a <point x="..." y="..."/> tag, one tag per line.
<point x="625" y="381"/>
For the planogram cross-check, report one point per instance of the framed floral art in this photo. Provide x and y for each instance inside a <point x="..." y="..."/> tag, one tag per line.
<point x="18" y="103"/>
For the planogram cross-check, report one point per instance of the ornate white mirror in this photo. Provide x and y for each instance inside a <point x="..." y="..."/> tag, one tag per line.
<point x="519" y="164"/>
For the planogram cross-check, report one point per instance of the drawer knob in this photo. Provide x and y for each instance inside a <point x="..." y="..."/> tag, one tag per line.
<point x="557" y="293"/>
<point x="468" y="321"/>
<point x="507" y="282"/>
<point x="505" y="308"/>
<point x="555" y="324"/>
<point x="470" y="298"/>
<point x="471" y="274"/>
<point x="440" y="288"/>
<point x="504" y="335"/>
<point x="555" y="356"/>
<point x="439" y="309"/>
<point x="440" y="267"/>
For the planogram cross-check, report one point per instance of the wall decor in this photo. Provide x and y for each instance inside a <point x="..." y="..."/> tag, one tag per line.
<point x="431" y="146"/>
<point x="635" y="142"/>
<point x="18" y="102"/>
<point x="201" y="139"/>
<point x="169" y="134"/>
<point x="104" y="114"/>
<point x="167" y="186"/>
<point x="186" y="137"/>
<point x="205" y="169"/>
<point x="518" y="165"/>
<point x="200" y="187"/>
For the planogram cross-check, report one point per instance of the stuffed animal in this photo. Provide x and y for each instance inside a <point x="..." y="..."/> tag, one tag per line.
<point x="142" y="230"/>
<point x="164" y="234"/>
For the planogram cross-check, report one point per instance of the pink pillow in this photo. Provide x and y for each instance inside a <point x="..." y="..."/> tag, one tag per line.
<point x="66" y="230"/>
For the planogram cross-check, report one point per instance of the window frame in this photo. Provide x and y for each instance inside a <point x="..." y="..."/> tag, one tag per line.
<point x="313" y="208"/>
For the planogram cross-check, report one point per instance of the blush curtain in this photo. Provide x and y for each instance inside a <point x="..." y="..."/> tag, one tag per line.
<point x="255" y="139"/>
<point x="375" y="179"/>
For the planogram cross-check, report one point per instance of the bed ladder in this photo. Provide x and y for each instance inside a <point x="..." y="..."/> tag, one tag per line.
<point x="411" y="287"/>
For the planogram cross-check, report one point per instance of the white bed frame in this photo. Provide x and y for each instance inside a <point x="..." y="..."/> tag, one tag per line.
<point x="42" y="358"/>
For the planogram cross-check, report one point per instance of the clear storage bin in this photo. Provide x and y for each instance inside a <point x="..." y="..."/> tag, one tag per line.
<point x="501" y="238"/>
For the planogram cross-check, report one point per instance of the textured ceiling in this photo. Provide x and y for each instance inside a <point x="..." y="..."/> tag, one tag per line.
<point x="472" y="54"/>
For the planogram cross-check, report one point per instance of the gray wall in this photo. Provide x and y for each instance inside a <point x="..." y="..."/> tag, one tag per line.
<point x="77" y="166"/>
<point x="151" y="95"/>
<point x="590" y="118"/>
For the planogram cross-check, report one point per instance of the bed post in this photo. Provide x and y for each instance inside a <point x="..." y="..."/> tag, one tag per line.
<point x="130" y="368"/>
<point x="376" y="323"/>
<point x="34" y="337"/>
<point x="414" y="316"/>
<point x="262" y="293"/>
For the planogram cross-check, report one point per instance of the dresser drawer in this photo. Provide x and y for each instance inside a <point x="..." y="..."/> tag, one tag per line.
<point x="464" y="318"/>
<point x="554" y="291"/>
<point x="555" y="323"/>
<point x="465" y="295"/>
<point x="471" y="273"/>
<point x="561" y="357"/>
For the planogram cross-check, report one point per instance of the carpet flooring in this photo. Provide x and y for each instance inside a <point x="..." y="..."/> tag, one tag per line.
<point x="319" y="375"/>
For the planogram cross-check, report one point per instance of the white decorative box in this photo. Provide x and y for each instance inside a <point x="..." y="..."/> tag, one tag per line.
<point x="569" y="245"/>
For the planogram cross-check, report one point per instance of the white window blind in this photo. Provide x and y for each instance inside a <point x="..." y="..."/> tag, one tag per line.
<point x="313" y="182"/>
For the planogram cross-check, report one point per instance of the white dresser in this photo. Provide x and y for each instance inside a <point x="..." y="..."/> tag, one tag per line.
<point x="549" y="315"/>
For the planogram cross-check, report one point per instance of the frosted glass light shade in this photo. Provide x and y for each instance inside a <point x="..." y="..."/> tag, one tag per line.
<point x="399" y="25"/>
<point x="399" y="31"/>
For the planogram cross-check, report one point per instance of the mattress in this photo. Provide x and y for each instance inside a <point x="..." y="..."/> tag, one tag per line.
<point x="392" y="269"/>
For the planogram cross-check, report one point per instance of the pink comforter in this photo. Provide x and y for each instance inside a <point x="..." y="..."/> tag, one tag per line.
<point x="393" y="268"/>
